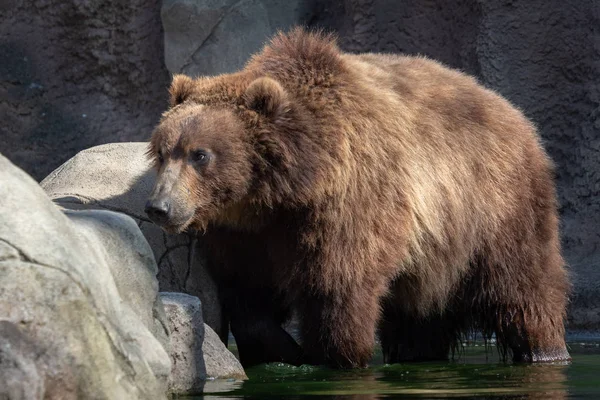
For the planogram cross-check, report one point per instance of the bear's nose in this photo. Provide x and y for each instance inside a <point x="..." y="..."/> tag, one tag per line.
<point x="157" y="210"/>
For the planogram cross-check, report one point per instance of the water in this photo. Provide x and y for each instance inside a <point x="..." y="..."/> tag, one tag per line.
<point x="476" y="374"/>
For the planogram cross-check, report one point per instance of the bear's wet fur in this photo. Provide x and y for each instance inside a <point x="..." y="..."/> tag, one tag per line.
<point x="365" y="193"/>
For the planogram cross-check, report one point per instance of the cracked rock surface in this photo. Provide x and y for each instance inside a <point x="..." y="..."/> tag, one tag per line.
<point x="118" y="177"/>
<point x="79" y="307"/>
<point x="206" y="37"/>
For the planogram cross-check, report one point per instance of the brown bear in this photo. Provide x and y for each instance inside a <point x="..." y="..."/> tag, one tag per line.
<point x="364" y="192"/>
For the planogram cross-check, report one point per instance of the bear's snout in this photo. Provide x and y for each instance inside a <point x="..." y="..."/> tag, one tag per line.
<point x="158" y="210"/>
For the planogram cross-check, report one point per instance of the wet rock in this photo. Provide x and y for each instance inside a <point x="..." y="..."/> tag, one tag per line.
<point x="197" y="353"/>
<point x="96" y="339"/>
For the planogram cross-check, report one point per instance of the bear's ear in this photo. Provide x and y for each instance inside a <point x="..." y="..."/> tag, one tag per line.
<point x="181" y="88"/>
<point x="267" y="97"/>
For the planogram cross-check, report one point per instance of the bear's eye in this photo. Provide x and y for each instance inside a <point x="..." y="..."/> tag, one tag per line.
<point x="200" y="156"/>
<point x="160" y="157"/>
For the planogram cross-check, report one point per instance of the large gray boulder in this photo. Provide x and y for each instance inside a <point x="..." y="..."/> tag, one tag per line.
<point x="118" y="177"/>
<point x="197" y="353"/>
<point x="73" y="326"/>
<point x="131" y="264"/>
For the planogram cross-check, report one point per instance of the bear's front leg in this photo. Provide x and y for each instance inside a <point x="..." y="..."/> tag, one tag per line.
<point x="338" y="328"/>
<point x="256" y="317"/>
<point x="256" y="323"/>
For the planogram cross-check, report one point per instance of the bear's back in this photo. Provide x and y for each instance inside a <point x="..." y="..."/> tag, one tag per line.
<point x="464" y="150"/>
<point x="437" y="91"/>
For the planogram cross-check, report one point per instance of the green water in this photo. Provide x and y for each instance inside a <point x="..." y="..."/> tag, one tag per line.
<point x="477" y="373"/>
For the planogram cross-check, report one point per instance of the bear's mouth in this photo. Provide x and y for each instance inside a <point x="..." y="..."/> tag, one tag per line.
<point x="173" y="229"/>
<point x="176" y="228"/>
<point x="191" y="221"/>
<point x="175" y="224"/>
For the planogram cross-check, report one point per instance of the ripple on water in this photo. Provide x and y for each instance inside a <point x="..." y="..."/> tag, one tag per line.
<point x="476" y="374"/>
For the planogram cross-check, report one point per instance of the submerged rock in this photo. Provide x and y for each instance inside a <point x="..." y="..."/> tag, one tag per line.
<point x="79" y="300"/>
<point x="197" y="353"/>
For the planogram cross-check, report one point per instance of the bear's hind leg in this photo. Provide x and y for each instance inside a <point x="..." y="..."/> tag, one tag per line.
<point x="524" y="305"/>
<point x="533" y="333"/>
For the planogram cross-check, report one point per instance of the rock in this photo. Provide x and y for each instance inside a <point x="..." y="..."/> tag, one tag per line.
<point x="19" y="375"/>
<point x="197" y="353"/>
<point x="131" y="264"/>
<point x="118" y="177"/>
<point x="76" y="74"/>
<point x="92" y="338"/>
<point x="208" y="37"/>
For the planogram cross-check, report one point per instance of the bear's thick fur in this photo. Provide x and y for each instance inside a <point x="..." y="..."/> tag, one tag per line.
<point x="364" y="192"/>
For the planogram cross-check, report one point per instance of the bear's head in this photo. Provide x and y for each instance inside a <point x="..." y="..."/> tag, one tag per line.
<point x="220" y="152"/>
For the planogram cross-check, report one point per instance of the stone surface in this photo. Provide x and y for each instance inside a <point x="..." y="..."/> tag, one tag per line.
<point x="117" y="177"/>
<point x="58" y="291"/>
<point x="131" y="263"/>
<point x="207" y="37"/>
<point x="75" y="74"/>
<point x="197" y="353"/>
<point x="19" y="375"/>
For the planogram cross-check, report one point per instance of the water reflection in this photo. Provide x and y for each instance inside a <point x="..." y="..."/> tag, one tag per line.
<point x="474" y="376"/>
<point x="424" y="380"/>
